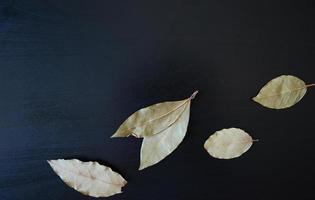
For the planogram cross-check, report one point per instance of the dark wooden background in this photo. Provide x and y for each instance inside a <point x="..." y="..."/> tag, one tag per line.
<point x="72" y="71"/>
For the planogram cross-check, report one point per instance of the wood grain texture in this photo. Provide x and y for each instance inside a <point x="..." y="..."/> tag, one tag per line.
<point x="71" y="71"/>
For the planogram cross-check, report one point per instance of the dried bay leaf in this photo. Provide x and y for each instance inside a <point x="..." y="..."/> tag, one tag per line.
<point x="163" y="127"/>
<point x="152" y="119"/>
<point x="156" y="147"/>
<point x="148" y="117"/>
<point x="88" y="178"/>
<point x="158" y="125"/>
<point x="282" y="92"/>
<point x="228" y="143"/>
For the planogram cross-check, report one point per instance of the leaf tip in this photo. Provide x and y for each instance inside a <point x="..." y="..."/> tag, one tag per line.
<point x="143" y="166"/>
<point x="51" y="163"/>
<point x="116" y="135"/>
<point x="120" y="133"/>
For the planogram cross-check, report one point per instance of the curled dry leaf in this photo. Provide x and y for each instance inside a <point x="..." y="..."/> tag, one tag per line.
<point x="282" y="92"/>
<point x="89" y="178"/>
<point x="228" y="143"/>
<point x="152" y="119"/>
<point x="163" y="127"/>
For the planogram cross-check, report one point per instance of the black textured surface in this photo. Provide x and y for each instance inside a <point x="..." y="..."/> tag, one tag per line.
<point x="72" y="71"/>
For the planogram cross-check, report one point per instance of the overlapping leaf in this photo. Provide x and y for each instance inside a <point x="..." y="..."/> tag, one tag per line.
<point x="89" y="178"/>
<point x="156" y="147"/>
<point x="151" y="120"/>
<point x="163" y="127"/>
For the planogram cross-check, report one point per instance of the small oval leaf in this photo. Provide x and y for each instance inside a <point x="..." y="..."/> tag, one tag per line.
<point x="281" y="92"/>
<point x="228" y="143"/>
<point x="88" y="178"/>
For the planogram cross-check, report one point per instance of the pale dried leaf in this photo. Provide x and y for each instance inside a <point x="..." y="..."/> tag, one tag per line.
<point x="228" y="143"/>
<point x="151" y="120"/>
<point x="281" y="92"/>
<point x="89" y="178"/>
<point x="156" y="147"/>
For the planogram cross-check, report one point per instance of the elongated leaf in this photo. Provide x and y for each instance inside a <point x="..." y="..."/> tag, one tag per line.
<point x="156" y="147"/>
<point x="152" y="119"/>
<point x="228" y="143"/>
<point x="281" y="92"/>
<point x="89" y="178"/>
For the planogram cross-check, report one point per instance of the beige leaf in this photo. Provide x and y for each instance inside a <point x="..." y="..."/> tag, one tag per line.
<point x="89" y="178"/>
<point x="156" y="147"/>
<point x="228" y="143"/>
<point x="282" y="92"/>
<point x="152" y="119"/>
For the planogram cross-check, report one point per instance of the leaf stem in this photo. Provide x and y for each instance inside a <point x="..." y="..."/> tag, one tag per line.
<point x="193" y="95"/>
<point x="255" y="140"/>
<point x="310" y="85"/>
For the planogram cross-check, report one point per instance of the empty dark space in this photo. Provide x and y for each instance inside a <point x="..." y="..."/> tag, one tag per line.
<point x="72" y="71"/>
